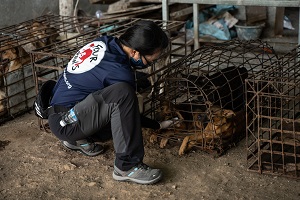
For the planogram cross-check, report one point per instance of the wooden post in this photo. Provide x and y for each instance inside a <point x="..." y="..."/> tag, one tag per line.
<point x="274" y="26"/>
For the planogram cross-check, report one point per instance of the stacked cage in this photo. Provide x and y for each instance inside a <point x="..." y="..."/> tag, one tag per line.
<point x="273" y="132"/>
<point x="205" y="93"/>
<point x="49" y="62"/>
<point x="17" y="86"/>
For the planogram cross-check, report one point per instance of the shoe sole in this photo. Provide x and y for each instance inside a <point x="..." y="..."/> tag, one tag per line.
<point x="75" y="148"/>
<point x="128" y="179"/>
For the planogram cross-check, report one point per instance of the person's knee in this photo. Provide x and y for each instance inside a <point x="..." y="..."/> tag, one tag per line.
<point x="54" y="125"/>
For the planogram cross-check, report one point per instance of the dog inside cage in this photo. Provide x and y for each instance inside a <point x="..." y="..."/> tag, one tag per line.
<point x="17" y="85"/>
<point x="206" y="91"/>
<point x="17" y="42"/>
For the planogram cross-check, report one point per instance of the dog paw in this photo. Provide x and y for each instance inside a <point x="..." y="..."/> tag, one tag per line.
<point x="153" y="138"/>
<point x="163" y="142"/>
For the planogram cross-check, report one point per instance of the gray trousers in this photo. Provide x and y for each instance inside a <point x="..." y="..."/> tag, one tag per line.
<point x="116" y="105"/>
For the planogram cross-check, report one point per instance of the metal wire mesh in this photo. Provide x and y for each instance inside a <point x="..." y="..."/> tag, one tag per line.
<point x="273" y="131"/>
<point x="17" y="86"/>
<point x="205" y="90"/>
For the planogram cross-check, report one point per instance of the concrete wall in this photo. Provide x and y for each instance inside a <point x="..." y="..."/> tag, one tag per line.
<point x="16" y="11"/>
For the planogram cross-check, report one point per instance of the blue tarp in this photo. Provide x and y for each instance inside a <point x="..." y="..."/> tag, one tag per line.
<point x="206" y="28"/>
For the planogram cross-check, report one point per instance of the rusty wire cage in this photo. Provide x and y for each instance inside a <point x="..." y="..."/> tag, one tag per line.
<point x="17" y="86"/>
<point x="49" y="62"/>
<point x="273" y="131"/>
<point x="206" y="92"/>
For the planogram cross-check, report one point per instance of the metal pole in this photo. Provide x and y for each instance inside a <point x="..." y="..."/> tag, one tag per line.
<point x="165" y="10"/>
<point x="196" y="25"/>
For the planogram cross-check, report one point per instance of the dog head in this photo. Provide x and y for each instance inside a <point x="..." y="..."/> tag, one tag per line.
<point x="8" y="53"/>
<point x="221" y="120"/>
<point x="42" y="34"/>
<point x="165" y="111"/>
<point x="190" y="116"/>
<point x="12" y="57"/>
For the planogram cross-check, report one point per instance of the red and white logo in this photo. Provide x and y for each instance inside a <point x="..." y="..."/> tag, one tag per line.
<point x="87" y="57"/>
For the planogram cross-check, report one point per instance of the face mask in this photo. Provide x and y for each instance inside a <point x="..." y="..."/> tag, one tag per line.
<point x="138" y="64"/>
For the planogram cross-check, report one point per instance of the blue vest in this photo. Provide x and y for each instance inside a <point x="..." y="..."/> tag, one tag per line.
<point x="95" y="66"/>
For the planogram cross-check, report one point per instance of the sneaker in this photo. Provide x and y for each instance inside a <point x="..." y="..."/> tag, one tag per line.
<point x="85" y="147"/>
<point x="141" y="174"/>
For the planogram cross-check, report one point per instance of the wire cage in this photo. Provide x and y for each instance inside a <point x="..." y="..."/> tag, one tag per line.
<point x="273" y="132"/>
<point x="49" y="62"/>
<point x="17" y="86"/>
<point x="205" y="91"/>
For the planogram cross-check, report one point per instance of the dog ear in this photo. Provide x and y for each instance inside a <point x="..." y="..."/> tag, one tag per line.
<point x="228" y="113"/>
<point x="21" y="51"/>
<point x="14" y="50"/>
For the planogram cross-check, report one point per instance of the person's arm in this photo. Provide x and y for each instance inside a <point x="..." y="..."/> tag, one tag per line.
<point x="153" y="124"/>
<point x="149" y="123"/>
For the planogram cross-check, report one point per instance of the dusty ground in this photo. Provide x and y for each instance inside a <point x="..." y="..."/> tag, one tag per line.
<point x="34" y="165"/>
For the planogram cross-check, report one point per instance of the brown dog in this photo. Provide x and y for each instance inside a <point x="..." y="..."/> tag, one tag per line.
<point x="221" y="126"/>
<point x="187" y="121"/>
<point x="167" y="112"/>
<point x="43" y="35"/>
<point x="36" y="35"/>
<point x="13" y="57"/>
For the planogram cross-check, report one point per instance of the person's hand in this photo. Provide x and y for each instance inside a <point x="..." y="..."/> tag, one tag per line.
<point x="166" y="124"/>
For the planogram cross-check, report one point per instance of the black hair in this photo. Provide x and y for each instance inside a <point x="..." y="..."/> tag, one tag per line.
<point x="145" y="37"/>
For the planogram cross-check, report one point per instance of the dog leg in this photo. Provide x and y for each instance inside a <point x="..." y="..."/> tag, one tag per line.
<point x="183" y="146"/>
<point x="163" y="142"/>
<point x="189" y="142"/>
<point x="165" y="139"/>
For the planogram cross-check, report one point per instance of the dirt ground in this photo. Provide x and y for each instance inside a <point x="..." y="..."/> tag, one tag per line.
<point x="34" y="165"/>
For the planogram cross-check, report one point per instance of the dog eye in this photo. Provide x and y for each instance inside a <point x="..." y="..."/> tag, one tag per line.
<point x="199" y="117"/>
